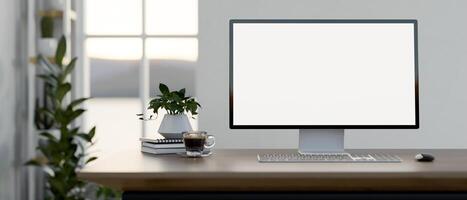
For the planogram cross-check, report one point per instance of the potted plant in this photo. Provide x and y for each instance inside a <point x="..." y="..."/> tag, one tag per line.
<point x="63" y="153"/>
<point x="47" y="44"/>
<point x="177" y="105"/>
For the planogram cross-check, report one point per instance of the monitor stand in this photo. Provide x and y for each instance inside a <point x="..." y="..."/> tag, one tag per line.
<point x="321" y="141"/>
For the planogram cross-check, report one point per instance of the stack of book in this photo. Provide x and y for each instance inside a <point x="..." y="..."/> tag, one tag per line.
<point x="162" y="146"/>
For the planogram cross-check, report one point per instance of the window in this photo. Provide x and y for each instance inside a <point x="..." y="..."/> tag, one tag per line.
<point x="132" y="46"/>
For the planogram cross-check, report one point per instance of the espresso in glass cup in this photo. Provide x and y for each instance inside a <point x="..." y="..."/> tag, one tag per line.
<point x="196" y="142"/>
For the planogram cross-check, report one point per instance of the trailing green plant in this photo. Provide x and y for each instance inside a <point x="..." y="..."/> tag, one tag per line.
<point x="47" y="27"/>
<point x="62" y="155"/>
<point x="174" y="102"/>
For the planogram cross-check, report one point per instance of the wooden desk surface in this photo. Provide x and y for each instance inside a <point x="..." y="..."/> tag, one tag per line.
<point x="238" y="170"/>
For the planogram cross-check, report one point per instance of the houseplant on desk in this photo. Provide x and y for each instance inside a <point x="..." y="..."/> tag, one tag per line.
<point x="177" y="105"/>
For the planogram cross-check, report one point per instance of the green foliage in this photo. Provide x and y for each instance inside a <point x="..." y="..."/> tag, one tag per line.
<point x="174" y="102"/>
<point x="47" y="27"/>
<point x="42" y="121"/>
<point x="60" y="53"/>
<point x="62" y="156"/>
<point x="106" y="193"/>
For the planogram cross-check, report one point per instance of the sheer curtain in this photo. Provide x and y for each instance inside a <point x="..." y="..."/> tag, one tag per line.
<point x="13" y="100"/>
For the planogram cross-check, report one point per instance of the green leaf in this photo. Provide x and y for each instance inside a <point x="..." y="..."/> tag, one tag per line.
<point x="107" y="193"/>
<point x="48" y="79"/>
<point x="58" y="116"/>
<point x="32" y="162"/>
<point x="69" y="68"/>
<point x="92" y="132"/>
<point x="76" y="114"/>
<point x="49" y="136"/>
<point x="182" y="92"/>
<point x="99" y="192"/>
<point x="62" y="90"/>
<point x="44" y="77"/>
<point x="58" y="187"/>
<point x="49" y="67"/>
<point x="47" y="112"/>
<point x="60" y="52"/>
<point x="155" y="104"/>
<point x="73" y="131"/>
<point x="91" y="159"/>
<point x="163" y="88"/>
<point x="156" y="109"/>
<point x="77" y="102"/>
<point x="84" y="136"/>
<point x="176" y="96"/>
<point x="155" y="100"/>
<point x="37" y="161"/>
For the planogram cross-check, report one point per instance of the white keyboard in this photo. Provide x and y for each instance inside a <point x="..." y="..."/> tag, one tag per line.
<point x="328" y="158"/>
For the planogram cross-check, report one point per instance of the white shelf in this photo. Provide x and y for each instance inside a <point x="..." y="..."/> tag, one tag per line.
<point x="51" y="13"/>
<point x="57" y="14"/>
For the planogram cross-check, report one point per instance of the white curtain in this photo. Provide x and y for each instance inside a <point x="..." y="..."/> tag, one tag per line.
<point x="13" y="98"/>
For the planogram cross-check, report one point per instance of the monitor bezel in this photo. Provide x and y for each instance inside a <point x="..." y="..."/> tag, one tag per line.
<point x="416" y="84"/>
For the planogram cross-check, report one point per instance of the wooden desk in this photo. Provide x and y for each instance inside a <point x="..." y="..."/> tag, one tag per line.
<point x="238" y="170"/>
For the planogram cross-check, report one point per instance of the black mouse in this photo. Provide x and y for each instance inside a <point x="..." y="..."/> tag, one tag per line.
<point x="424" y="157"/>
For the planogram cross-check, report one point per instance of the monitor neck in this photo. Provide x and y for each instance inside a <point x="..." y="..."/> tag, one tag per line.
<point x="321" y="141"/>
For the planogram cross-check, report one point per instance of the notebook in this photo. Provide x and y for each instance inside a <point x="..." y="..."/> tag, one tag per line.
<point x="162" y="143"/>
<point x="162" y="151"/>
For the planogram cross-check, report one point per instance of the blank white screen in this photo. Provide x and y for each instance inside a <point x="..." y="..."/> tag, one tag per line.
<point x="323" y="74"/>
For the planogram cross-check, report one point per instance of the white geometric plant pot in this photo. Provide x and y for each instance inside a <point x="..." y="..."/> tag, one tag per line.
<point x="173" y="126"/>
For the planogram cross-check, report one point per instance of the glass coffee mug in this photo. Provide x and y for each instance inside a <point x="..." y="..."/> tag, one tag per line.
<point x="196" y="142"/>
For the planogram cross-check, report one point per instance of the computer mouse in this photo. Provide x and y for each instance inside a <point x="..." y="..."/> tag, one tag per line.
<point x="424" y="157"/>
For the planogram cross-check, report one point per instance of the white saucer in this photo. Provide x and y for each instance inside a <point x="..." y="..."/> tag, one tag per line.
<point x="205" y="154"/>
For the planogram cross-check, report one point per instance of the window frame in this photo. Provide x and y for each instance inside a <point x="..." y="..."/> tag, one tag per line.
<point x="144" y="64"/>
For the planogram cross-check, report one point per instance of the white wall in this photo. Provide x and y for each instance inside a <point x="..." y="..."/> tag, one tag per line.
<point x="11" y="116"/>
<point x="442" y="68"/>
<point x="7" y="98"/>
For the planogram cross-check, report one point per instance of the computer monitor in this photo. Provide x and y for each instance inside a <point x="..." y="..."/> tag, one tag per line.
<point x="323" y="76"/>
